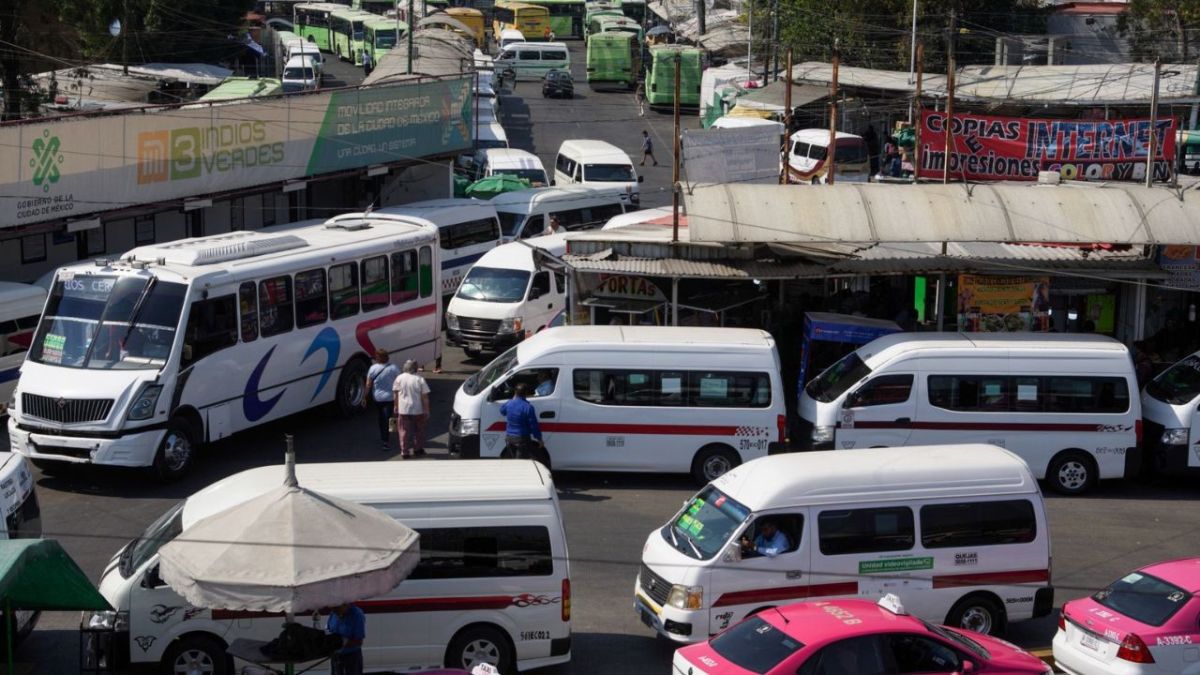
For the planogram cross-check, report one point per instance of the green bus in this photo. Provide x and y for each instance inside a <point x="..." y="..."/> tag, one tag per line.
<point x="380" y="36"/>
<point x="346" y="33"/>
<point x="634" y="9"/>
<point x="243" y="87"/>
<point x="614" y="57"/>
<point x="594" y="12"/>
<point x="660" y="76"/>
<point x="310" y="21"/>
<point x="566" y="16"/>
<point x="620" y="24"/>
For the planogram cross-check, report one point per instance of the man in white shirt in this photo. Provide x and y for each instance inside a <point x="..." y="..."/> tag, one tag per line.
<point x="412" y="408"/>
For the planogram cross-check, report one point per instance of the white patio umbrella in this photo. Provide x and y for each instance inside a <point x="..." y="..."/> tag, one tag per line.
<point x="289" y="550"/>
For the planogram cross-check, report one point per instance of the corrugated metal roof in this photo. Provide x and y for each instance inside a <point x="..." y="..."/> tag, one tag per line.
<point x="816" y="72"/>
<point x="697" y="269"/>
<point x="1002" y="212"/>
<point x="438" y="52"/>
<point x="772" y="96"/>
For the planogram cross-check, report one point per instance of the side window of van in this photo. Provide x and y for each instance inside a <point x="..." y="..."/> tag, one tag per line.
<point x="249" y="309"/>
<point x="1029" y="393"/>
<point x="534" y="227"/>
<point x="343" y="290"/>
<point x="275" y="305"/>
<point x="540" y="285"/>
<point x="470" y="233"/>
<point x="790" y="524"/>
<point x="554" y="55"/>
<point x="528" y="55"/>
<point x="538" y="381"/>
<point x="882" y="390"/>
<point x="869" y="530"/>
<point x="572" y="219"/>
<point x="374" y="283"/>
<point x="978" y="524"/>
<point x="730" y="390"/>
<point x="212" y="326"/>
<point x="475" y="552"/>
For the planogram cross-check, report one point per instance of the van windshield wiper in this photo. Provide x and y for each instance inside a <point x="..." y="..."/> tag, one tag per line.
<point x="691" y="542"/>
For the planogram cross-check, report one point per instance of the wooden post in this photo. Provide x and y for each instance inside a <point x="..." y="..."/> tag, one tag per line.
<point x="831" y="154"/>
<point x="949" y="101"/>
<point x="787" y="120"/>
<point x="675" y="168"/>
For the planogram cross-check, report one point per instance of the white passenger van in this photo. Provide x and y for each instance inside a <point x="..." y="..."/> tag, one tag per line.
<point x="507" y="296"/>
<point x="531" y="60"/>
<point x="957" y="532"/>
<point x="809" y="148"/>
<point x="1066" y="404"/>
<point x="510" y="36"/>
<point x="511" y="162"/>
<point x="526" y="213"/>
<point x="491" y="135"/>
<point x="20" y="307"/>
<point x="492" y="586"/>
<point x="137" y="362"/>
<point x="467" y="229"/>
<point x="634" y="398"/>
<point x="597" y="163"/>
<point x="300" y="73"/>
<point x="1172" y="425"/>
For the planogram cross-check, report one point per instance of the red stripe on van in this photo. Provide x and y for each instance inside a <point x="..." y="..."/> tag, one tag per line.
<point x="993" y="426"/>
<point x="787" y="593"/>
<point x="650" y="429"/>
<point x="395" y="606"/>
<point x="362" y="330"/>
<point x="990" y="578"/>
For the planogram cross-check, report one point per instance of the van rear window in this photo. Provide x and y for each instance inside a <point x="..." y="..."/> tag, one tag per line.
<point x="978" y="524"/>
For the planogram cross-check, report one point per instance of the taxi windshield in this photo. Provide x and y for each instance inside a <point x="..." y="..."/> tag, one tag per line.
<point x="755" y="645"/>
<point x="705" y="524"/>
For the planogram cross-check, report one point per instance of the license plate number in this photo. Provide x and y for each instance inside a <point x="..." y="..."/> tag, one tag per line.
<point x="1089" y="642"/>
<point x="475" y="346"/>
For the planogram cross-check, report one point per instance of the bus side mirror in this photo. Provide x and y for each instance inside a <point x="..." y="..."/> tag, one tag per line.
<point x="151" y="579"/>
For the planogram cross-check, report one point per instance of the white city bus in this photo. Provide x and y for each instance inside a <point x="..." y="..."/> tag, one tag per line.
<point x="137" y="362"/>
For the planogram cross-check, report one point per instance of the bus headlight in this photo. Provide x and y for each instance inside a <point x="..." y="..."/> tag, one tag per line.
<point x="822" y="434"/>
<point x="106" y="620"/>
<point x="468" y="427"/>
<point x="1175" y="437"/>
<point x="451" y="321"/>
<point x="510" y="325"/>
<point x="143" y="405"/>
<point x="686" y="597"/>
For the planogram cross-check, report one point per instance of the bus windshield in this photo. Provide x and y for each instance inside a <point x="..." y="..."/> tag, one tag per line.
<point x="109" y="323"/>
<point x="385" y="40"/>
<point x="490" y="284"/>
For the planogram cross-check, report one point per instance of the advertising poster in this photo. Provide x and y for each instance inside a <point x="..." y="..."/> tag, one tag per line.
<point x="990" y="148"/>
<point x="1183" y="263"/>
<point x="992" y="304"/>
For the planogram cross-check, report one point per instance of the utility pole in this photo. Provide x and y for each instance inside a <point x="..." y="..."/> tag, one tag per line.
<point x="787" y="120"/>
<point x="917" y="104"/>
<point x="912" y="53"/>
<point x="774" y="41"/>
<point x="675" y="167"/>
<point x="750" y="41"/>
<point x="411" y="24"/>
<point x="125" y="37"/>
<point x="950" y="99"/>
<point x="831" y="154"/>
<point x="1152" y="149"/>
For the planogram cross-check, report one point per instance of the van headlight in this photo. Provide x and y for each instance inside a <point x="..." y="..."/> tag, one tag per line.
<point x="468" y="426"/>
<point x="106" y="620"/>
<point x="143" y="405"/>
<point x="510" y="325"/>
<point x="686" y="597"/>
<point x="1175" y="437"/>
<point x="451" y="321"/>
<point x="822" y="434"/>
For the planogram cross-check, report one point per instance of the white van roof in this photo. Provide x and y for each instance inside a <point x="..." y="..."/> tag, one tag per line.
<point x="378" y="483"/>
<point x="512" y="34"/>
<point x="642" y="338"/>
<point x="819" y="136"/>
<point x="595" y="151"/>
<point x="492" y="131"/>
<point x="20" y="300"/>
<point x="641" y="216"/>
<point x="443" y="212"/>
<point x="889" y="347"/>
<point x="728" y="122"/>
<point x="527" y="201"/>
<point x="511" y="158"/>
<point x="518" y="255"/>
<point x="871" y="475"/>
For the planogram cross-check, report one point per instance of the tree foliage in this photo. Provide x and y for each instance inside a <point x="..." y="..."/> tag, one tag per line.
<point x="1160" y="28"/>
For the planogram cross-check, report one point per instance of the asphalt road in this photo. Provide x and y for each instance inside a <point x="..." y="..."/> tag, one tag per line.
<point x="1095" y="539"/>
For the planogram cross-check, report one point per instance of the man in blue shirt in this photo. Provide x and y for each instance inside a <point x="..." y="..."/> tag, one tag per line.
<point x="769" y="542"/>
<point x="350" y="623"/>
<point x="520" y="424"/>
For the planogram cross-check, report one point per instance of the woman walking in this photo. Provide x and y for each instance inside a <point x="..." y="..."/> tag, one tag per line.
<point x="380" y="377"/>
<point x="412" y="409"/>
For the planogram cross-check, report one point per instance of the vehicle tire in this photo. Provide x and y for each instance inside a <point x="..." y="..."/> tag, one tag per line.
<point x="1071" y="473"/>
<point x="480" y="644"/>
<point x="712" y="462"/>
<point x="352" y="388"/>
<point x="979" y="613"/>
<point x="543" y="456"/>
<point x="195" y="655"/>
<point x="176" y="452"/>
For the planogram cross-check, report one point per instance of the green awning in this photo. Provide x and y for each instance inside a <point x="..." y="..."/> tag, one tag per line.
<point x="37" y="574"/>
<point x="486" y="188"/>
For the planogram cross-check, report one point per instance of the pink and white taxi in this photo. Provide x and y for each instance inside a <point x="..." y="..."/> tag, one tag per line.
<point x="850" y="636"/>
<point x="1148" y="621"/>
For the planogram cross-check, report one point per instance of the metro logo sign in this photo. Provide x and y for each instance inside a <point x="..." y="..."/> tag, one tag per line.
<point x="152" y="153"/>
<point x="192" y="152"/>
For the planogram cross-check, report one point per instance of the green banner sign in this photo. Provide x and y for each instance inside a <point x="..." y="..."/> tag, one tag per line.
<point x="895" y="565"/>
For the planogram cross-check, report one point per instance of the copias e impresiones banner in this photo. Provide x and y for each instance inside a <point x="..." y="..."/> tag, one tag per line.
<point x="1016" y="148"/>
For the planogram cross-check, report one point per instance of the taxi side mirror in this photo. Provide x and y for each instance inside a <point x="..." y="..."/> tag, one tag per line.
<point x="967" y="667"/>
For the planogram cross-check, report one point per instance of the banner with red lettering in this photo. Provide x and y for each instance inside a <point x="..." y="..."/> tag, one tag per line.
<point x="990" y="148"/>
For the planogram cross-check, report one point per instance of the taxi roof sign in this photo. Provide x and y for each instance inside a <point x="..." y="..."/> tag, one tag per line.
<point x="892" y="604"/>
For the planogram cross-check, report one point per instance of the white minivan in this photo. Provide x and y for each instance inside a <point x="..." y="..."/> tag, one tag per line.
<point x="510" y="36"/>
<point x="633" y="398"/>
<point x="598" y="163"/>
<point x="20" y="308"/>
<point x="957" y="532"/>
<point x="1066" y="404"/>
<point x="510" y="162"/>
<point x="300" y="73"/>
<point x="492" y="585"/>
<point x="527" y="213"/>
<point x="507" y="296"/>
<point x="1172" y="426"/>
<point x="531" y="60"/>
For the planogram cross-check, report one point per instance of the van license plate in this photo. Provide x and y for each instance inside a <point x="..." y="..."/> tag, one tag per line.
<point x="1089" y="641"/>
<point x="475" y="346"/>
<point x="647" y="618"/>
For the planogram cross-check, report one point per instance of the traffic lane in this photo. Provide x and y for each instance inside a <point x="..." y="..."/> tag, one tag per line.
<point x="339" y="73"/>
<point x="540" y="125"/>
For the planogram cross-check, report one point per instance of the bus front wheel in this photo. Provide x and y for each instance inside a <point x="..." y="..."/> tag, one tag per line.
<point x="176" y="452"/>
